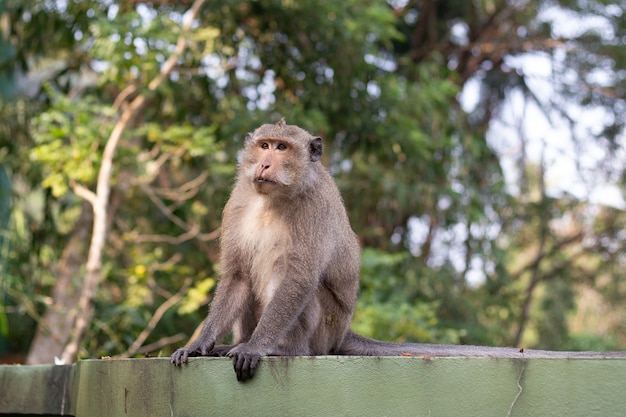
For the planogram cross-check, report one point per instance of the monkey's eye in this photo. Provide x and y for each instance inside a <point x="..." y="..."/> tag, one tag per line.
<point x="281" y="147"/>
<point x="265" y="145"/>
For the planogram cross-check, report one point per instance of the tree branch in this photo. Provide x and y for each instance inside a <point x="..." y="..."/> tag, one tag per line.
<point x="193" y="233"/>
<point x="134" y="348"/>
<point x="184" y="191"/>
<point x="163" y="207"/>
<point x="541" y="255"/>
<point x="103" y="188"/>
<point x="84" y="193"/>
<point x="164" y="341"/>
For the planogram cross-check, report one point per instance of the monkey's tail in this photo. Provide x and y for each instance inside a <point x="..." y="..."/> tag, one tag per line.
<point x="357" y="345"/>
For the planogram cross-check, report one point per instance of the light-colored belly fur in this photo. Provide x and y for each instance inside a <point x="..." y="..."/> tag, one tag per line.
<point x="265" y="241"/>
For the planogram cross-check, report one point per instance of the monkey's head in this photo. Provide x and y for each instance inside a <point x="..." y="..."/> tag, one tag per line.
<point x="280" y="158"/>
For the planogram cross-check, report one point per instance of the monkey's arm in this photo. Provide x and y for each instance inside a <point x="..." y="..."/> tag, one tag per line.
<point x="298" y="287"/>
<point x="231" y="295"/>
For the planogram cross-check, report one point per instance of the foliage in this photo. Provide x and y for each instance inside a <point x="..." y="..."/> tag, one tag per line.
<point x="458" y="246"/>
<point x="393" y="307"/>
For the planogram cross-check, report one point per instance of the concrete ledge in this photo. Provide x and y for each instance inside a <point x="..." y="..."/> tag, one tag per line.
<point x="320" y="386"/>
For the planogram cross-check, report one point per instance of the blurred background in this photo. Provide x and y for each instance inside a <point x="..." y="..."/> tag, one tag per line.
<point x="479" y="146"/>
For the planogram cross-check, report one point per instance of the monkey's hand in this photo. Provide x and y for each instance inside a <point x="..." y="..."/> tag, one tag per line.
<point x="197" y="348"/>
<point x="245" y="360"/>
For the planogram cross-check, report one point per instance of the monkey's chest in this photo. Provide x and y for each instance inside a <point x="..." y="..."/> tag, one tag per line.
<point x="266" y="266"/>
<point x="265" y="242"/>
<point x="262" y="231"/>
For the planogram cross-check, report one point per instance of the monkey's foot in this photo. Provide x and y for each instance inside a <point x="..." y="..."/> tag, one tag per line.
<point x="180" y="356"/>
<point x="183" y="354"/>
<point x="245" y="361"/>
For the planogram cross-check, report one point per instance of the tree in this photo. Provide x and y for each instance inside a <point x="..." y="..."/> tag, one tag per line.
<point x="496" y="47"/>
<point x="456" y="248"/>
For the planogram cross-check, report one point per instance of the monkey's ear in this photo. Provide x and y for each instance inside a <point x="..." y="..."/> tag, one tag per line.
<point x="315" y="149"/>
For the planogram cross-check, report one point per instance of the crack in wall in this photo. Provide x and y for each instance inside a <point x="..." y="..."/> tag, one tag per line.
<point x="519" y="387"/>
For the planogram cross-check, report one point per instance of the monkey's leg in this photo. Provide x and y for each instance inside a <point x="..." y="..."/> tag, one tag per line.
<point x="278" y="333"/>
<point x="230" y="300"/>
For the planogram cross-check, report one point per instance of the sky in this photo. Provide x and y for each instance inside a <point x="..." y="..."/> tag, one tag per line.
<point x="570" y="153"/>
<point x="569" y="150"/>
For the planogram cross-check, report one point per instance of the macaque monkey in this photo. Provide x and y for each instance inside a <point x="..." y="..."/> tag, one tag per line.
<point x="290" y="264"/>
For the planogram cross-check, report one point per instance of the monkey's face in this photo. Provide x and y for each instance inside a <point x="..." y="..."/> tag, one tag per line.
<point x="280" y="159"/>
<point x="273" y="164"/>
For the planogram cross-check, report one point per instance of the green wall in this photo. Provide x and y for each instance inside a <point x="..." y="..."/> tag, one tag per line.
<point x="321" y="386"/>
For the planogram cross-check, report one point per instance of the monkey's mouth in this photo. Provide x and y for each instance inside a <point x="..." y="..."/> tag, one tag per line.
<point x="264" y="181"/>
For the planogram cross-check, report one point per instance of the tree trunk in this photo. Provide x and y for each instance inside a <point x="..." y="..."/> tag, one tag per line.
<point x="75" y="324"/>
<point x="53" y="331"/>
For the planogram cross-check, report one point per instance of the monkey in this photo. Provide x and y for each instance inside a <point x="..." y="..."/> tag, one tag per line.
<point x="290" y="264"/>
